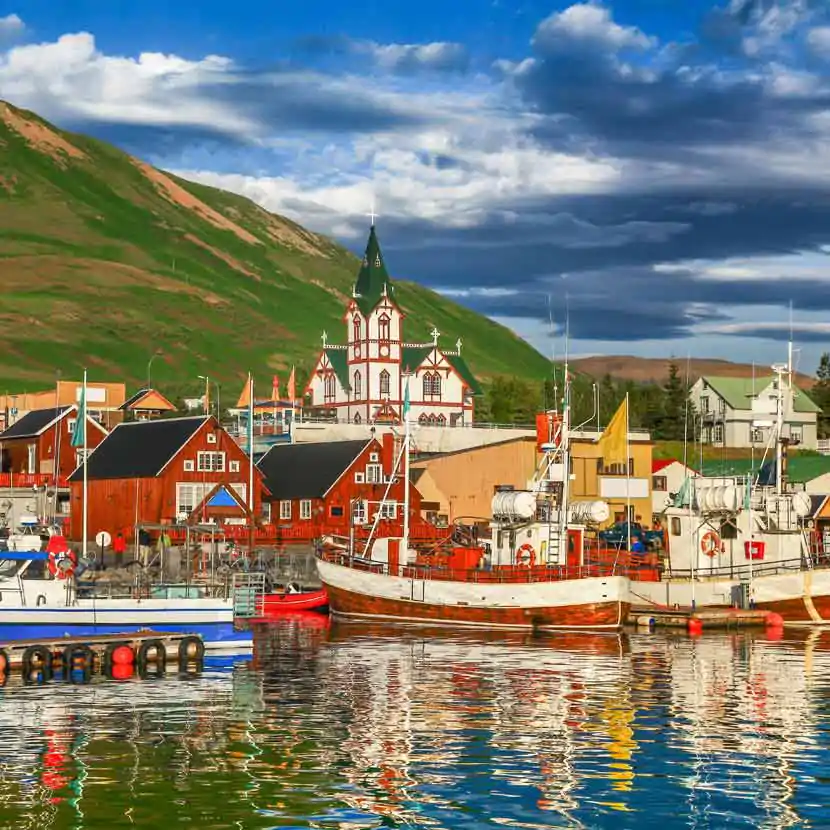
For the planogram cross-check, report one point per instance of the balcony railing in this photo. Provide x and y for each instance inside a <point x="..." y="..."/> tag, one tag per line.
<point x="31" y="480"/>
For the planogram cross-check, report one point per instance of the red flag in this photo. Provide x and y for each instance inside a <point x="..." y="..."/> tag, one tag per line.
<point x="292" y="392"/>
<point x="275" y="388"/>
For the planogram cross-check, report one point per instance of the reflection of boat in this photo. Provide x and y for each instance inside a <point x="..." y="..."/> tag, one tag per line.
<point x="278" y="604"/>
<point x="536" y="576"/>
<point x="41" y="599"/>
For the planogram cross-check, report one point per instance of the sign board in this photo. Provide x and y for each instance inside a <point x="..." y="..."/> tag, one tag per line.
<point x="103" y="539"/>
<point x="615" y="488"/>
<point x="94" y="394"/>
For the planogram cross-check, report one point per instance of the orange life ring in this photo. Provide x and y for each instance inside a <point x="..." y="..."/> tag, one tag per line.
<point x="62" y="564"/>
<point x="710" y="543"/>
<point x="526" y="555"/>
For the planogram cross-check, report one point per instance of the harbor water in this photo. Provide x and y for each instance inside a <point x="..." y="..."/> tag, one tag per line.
<point x="366" y="726"/>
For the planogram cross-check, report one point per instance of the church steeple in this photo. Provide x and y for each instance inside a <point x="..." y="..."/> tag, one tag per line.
<point x="372" y="281"/>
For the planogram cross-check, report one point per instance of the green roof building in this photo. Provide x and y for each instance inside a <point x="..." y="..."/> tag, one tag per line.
<point x="741" y="412"/>
<point x="367" y="379"/>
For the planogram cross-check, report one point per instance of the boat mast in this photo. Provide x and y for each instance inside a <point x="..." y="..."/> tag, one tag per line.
<point x="406" y="437"/>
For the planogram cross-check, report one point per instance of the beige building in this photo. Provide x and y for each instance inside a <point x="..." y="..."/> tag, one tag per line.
<point x="103" y="401"/>
<point x="460" y="485"/>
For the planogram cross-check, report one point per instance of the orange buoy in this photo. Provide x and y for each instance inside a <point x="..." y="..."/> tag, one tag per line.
<point x="122" y="671"/>
<point x="123" y="656"/>
<point x="774" y="620"/>
<point x="694" y="626"/>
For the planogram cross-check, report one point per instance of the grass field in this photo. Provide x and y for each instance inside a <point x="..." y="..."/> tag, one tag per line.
<point x="105" y="261"/>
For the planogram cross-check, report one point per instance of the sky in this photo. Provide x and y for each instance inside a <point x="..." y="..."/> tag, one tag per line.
<point x="654" y="173"/>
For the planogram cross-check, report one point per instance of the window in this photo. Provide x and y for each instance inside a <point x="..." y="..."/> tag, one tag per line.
<point x="190" y="495"/>
<point x="359" y="478"/>
<point x="211" y="438"/>
<point x="423" y="420"/>
<point x="432" y="385"/>
<point x="675" y="526"/>
<point x="389" y="510"/>
<point x="356" y="329"/>
<point x="718" y="433"/>
<point x="189" y="466"/>
<point x="357" y="386"/>
<point x="357" y="419"/>
<point x="305" y="509"/>
<point x="80" y="456"/>
<point x="233" y="467"/>
<point x="374" y="457"/>
<point x="374" y="474"/>
<point x="704" y="404"/>
<point x="383" y="328"/>
<point x="442" y="420"/>
<point x="796" y="434"/>
<point x="384" y="383"/>
<point x="266" y="512"/>
<point x="615" y="469"/>
<point x="285" y="510"/>
<point x="335" y="511"/>
<point x="359" y="513"/>
<point x="70" y="425"/>
<point x="329" y="387"/>
<point x="210" y="462"/>
<point x="756" y="435"/>
<point x="659" y="484"/>
<point x="241" y="490"/>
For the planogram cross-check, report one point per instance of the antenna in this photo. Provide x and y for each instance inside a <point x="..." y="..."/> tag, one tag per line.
<point x="552" y="331"/>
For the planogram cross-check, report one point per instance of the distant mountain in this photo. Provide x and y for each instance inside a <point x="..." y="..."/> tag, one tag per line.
<point x="106" y="260"/>
<point x="656" y="370"/>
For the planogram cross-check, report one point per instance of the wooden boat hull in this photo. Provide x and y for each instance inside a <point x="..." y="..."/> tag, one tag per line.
<point x="595" y="603"/>
<point x="276" y="605"/>
<point x="800" y="597"/>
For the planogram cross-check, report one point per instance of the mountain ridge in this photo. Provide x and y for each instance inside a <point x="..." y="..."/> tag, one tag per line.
<point x="107" y="260"/>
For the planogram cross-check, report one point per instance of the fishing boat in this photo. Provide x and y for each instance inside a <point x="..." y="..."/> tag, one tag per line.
<point x="291" y="600"/>
<point x="538" y="572"/>
<point x="745" y="541"/>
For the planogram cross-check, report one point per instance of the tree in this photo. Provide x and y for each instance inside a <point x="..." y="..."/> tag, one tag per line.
<point x="820" y="393"/>
<point x="675" y="401"/>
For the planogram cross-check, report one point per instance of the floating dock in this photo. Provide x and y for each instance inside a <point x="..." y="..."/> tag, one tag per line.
<point x="119" y="656"/>
<point x="695" y="621"/>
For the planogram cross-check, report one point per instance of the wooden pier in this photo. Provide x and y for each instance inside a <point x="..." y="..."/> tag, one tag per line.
<point x="696" y="621"/>
<point x="120" y="656"/>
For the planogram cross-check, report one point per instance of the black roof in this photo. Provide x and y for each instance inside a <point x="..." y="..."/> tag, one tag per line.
<point x="307" y="471"/>
<point x="33" y="423"/>
<point x="137" y="397"/>
<point x="139" y="449"/>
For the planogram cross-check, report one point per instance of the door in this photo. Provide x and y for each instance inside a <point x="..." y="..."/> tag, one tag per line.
<point x="32" y="453"/>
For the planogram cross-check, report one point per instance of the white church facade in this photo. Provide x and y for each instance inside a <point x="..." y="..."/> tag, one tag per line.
<point x="365" y="380"/>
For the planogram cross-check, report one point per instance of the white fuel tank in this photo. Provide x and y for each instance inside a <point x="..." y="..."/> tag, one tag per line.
<point x="801" y="504"/>
<point x="514" y="505"/>
<point x="589" y="512"/>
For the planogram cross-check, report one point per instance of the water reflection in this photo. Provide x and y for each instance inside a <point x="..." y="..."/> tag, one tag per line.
<point x="344" y="726"/>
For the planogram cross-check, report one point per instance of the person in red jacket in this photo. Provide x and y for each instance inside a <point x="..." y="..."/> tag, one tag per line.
<point x="119" y="547"/>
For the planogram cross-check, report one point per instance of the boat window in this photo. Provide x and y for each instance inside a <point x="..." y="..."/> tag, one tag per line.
<point x="728" y="531"/>
<point x="9" y="567"/>
<point x="675" y="526"/>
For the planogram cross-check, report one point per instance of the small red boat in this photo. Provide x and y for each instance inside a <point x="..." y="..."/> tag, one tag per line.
<point x="275" y="605"/>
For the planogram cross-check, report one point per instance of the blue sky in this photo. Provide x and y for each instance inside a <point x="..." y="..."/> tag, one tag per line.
<point x="663" y="165"/>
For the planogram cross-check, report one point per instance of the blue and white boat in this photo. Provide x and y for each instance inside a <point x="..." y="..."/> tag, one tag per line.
<point x="37" y="602"/>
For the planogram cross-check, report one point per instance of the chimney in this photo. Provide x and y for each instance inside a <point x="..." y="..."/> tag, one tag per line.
<point x="388" y="453"/>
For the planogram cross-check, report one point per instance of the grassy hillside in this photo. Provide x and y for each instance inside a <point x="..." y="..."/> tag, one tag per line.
<point x="105" y="260"/>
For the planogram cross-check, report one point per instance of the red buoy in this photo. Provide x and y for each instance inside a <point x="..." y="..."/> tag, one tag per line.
<point x="122" y="671"/>
<point x="123" y="656"/>
<point x="694" y="626"/>
<point x="774" y="620"/>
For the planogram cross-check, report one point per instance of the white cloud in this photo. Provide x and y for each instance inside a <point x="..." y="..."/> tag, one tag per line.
<point x="11" y="26"/>
<point x="590" y="23"/>
<point x="806" y="266"/>
<point x="818" y="39"/>
<point x="405" y="56"/>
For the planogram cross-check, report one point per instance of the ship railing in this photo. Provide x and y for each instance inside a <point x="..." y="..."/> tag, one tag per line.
<point x="745" y="571"/>
<point x="502" y="574"/>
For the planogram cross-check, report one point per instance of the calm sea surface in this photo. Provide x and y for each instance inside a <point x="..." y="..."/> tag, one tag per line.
<point x="363" y="727"/>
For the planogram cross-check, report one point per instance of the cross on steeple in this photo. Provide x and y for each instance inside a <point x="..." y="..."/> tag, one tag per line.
<point x="372" y="215"/>
<point x="435" y="335"/>
<point x="325" y="339"/>
<point x="458" y="345"/>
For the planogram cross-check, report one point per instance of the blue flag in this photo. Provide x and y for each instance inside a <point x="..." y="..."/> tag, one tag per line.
<point x="79" y="433"/>
<point x="406" y="401"/>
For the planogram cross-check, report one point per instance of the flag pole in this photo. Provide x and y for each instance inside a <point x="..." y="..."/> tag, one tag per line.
<point x="251" y="444"/>
<point x="406" y="473"/>
<point x="627" y="479"/>
<point x="82" y="416"/>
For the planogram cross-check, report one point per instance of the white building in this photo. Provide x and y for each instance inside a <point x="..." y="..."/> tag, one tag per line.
<point x="740" y="412"/>
<point x="667" y="477"/>
<point x="365" y="380"/>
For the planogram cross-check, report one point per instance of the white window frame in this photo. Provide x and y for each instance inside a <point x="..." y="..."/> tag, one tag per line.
<point x="374" y="457"/>
<point x="189" y="465"/>
<point x="360" y="512"/>
<point x="374" y="474"/>
<point x="286" y="510"/>
<point x="389" y="510"/>
<point x="206" y="461"/>
<point x="190" y="494"/>
<point x="233" y="466"/>
<point x="305" y="509"/>
<point x="718" y="434"/>
<point x="384" y="384"/>
<point x="80" y="455"/>
<point x="70" y="425"/>
<point x="359" y="478"/>
<point x="266" y="512"/>
<point x="211" y="438"/>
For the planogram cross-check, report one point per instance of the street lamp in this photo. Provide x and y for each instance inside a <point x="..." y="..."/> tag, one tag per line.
<point x="150" y="363"/>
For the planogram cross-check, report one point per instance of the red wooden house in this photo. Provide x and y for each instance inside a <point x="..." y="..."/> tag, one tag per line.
<point x="29" y="447"/>
<point x="316" y="489"/>
<point x="176" y="470"/>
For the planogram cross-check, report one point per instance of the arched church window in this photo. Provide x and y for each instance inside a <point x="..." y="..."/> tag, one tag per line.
<point x="423" y="420"/>
<point x="384" y="328"/>
<point x="384" y="383"/>
<point x="330" y="388"/>
<point x="357" y="386"/>
<point x="357" y="328"/>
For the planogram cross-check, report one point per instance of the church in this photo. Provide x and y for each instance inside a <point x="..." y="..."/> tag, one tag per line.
<point x="365" y="380"/>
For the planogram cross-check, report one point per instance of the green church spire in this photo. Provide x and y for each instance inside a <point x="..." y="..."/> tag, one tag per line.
<point x="372" y="281"/>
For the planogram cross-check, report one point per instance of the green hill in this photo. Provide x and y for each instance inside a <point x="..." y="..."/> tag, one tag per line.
<point x="105" y="260"/>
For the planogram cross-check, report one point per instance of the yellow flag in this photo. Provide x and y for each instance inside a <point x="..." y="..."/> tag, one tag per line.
<point x="613" y="443"/>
